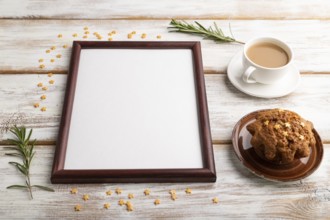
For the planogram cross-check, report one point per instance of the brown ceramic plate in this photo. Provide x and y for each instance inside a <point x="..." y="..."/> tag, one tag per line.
<point x="296" y="170"/>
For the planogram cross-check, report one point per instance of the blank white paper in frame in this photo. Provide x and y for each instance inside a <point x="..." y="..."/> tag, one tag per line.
<point x="134" y="109"/>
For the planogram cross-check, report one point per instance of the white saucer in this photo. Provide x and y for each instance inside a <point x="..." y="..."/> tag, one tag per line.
<point x="285" y="86"/>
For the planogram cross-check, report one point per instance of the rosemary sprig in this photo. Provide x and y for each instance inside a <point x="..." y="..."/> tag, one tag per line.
<point x="23" y="149"/>
<point x="211" y="33"/>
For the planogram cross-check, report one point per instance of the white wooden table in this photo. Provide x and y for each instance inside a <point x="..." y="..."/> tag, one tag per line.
<point x="29" y="28"/>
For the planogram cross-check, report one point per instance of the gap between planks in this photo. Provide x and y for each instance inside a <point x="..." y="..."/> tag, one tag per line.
<point x="226" y="142"/>
<point x="52" y="143"/>
<point x="37" y="143"/>
<point x="27" y="72"/>
<point x="66" y="72"/>
<point x="143" y="18"/>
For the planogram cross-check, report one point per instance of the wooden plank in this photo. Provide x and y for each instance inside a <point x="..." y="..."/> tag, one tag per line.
<point x="18" y="95"/>
<point x="147" y="9"/>
<point x="24" y="42"/>
<point x="241" y="194"/>
<point x="226" y="104"/>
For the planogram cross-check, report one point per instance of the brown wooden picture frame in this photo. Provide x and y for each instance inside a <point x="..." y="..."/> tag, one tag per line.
<point x="206" y="173"/>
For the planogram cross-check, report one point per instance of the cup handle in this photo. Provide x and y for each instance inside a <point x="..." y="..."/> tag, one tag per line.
<point x="246" y="75"/>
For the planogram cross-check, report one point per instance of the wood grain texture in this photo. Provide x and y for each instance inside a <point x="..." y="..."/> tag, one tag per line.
<point x="147" y="9"/>
<point x="241" y="194"/>
<point x="24" y="42"/>
<point x="28" y="28"/>
<point x="226" y="104"/>
<point x="20" y="92"/>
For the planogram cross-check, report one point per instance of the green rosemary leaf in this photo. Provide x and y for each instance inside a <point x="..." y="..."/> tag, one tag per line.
<point x="219" y="31"/>
<point x="13" y="154"/>
<point x="25" y="149"/>
<point x="13" y="142"/>
<point x="215" y="34"/>
<point x="28" y="138"/>
<point x="20" y="167"/>
<point x="44" y="188"/>
<point x="32" y="147"/>
<point x="17" y="187"/>
<point x="15" y="163"/>
<point x="200" y="26"/>
<point x="31" y="158"/>
<point x="231" y="33"/>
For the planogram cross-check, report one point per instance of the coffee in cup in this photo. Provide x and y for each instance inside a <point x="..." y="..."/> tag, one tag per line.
<point x="266" y="60"/>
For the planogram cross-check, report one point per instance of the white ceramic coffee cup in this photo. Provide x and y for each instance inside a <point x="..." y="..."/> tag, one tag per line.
<point x="254" y="73"/>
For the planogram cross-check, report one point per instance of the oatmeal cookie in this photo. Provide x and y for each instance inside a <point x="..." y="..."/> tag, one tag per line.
<point x="281" y="135"/>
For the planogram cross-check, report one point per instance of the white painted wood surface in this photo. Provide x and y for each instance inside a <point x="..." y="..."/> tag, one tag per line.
<point x="24" y="42"/>
<point x="29" y="28"/>
<point x="148" y="9"/>
<point x="241" y="194"/>
<point x="226" y="104"/>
